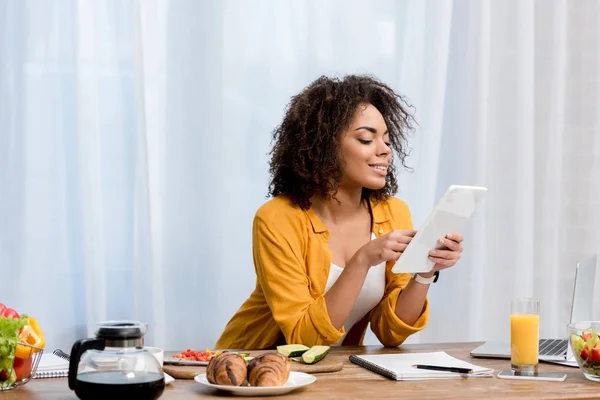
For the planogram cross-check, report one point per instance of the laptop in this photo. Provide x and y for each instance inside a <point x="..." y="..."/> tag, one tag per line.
<point x="556" y="350"/>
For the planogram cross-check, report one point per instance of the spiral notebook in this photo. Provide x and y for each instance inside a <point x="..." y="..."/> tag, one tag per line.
<point x="401" y="366"/>
<point x="53" y="365"/>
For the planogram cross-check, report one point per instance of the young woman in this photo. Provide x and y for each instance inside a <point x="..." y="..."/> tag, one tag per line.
<point x="324" y="245"/>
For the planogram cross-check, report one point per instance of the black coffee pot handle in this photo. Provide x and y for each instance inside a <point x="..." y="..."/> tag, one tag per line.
<point x="80" y="347"/>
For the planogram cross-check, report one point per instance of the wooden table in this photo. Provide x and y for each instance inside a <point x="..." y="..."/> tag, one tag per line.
<point x="354" y="382"/>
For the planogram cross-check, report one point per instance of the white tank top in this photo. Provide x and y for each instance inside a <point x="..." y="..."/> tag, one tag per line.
<point x="369" y="296"/>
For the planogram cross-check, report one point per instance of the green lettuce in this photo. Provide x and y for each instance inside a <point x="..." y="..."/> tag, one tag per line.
<point x="9" y="336"/>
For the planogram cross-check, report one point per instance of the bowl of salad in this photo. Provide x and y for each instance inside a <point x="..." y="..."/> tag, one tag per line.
<point x="21" y="347"/>
<point x="584" y="339"/>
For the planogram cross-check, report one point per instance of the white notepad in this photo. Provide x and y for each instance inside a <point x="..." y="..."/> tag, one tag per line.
<point x="51" y="366"/>
<point x="400" y="366"/>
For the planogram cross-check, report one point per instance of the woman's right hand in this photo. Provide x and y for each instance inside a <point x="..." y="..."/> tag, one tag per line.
<point x="385" y="248"/>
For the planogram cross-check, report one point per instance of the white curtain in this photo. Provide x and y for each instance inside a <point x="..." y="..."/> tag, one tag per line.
<point x="521" y="116"/>
<point x="134" y="139"/>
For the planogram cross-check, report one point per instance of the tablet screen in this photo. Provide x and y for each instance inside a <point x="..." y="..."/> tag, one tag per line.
<point x="450" y="215"/>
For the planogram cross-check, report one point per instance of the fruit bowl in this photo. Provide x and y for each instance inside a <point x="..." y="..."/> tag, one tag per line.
<point x="584" y="339"/>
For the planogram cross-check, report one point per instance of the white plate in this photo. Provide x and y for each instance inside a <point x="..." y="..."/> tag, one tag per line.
<point x="295" y="381"/>
<point x="179" y="361"/>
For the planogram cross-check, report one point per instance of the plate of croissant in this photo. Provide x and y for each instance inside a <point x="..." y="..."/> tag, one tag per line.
<point x="266" y="374"/>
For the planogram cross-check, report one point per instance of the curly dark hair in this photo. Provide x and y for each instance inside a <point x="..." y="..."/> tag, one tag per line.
<point x="305" y="160"/>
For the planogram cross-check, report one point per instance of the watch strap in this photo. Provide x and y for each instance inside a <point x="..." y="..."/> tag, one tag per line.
<point x="427" y="281"/>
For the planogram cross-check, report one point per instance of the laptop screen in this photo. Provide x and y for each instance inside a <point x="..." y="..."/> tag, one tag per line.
<point x="583" y="291"/>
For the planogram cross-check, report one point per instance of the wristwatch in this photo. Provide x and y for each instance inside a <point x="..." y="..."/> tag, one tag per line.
<point x="427" y="281"/>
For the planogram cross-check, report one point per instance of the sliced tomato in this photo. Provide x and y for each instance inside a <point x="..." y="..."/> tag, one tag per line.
<point x="584" y="354"/>
<point x="195" y="355"/>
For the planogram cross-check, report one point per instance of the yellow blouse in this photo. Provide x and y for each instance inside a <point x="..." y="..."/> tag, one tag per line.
<point x="292" y="261"/>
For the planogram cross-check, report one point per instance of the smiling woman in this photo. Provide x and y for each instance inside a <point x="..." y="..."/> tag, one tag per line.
<point x="307" y="158"/>
<point x="367" y="145"/>
<point x="325" y="244"/>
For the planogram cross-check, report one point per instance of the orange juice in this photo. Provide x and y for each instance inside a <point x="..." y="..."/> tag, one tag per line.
<point x="524" y="339"/>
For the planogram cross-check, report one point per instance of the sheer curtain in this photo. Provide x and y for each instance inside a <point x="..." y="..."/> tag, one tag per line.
<point x="134" y="140"/>
<point x="521" y="117"/>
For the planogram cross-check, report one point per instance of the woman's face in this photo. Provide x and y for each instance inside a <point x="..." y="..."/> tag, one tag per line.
<point x="365" y="152"/>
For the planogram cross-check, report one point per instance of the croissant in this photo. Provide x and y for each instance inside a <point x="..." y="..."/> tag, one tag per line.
<point x="269" y="369"/>
<point x="227" y="369"/>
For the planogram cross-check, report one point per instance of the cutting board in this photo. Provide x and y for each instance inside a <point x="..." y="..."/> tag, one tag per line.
<point x="320" y="367"/>
<point x="189" y="372"/>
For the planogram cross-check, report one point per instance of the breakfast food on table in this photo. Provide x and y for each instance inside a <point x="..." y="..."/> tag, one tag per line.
<point x="266" y="369"/>
<point x="587" y="349"/>
<point x="315" y="354"/>
<point x="204" y="356"/>
<point x="269" y="369"/>
<point x="309" y="355"/>
<point x="227" y="369"/>
<point x="292" y="350"/>
<point x="16" y="358"/>
<point x="192" y="355"/>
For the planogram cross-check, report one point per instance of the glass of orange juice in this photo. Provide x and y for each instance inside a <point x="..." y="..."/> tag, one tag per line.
<point x="524" y="335"/>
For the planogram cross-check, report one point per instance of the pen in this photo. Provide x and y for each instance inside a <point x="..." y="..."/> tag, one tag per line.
<point x="447" y="369"/>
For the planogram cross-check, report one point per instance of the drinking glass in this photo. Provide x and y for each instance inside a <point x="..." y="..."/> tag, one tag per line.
<point x="524" y="335"/>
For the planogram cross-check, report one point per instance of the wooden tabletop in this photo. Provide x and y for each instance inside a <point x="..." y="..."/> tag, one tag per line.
<point x="359" y="383"/>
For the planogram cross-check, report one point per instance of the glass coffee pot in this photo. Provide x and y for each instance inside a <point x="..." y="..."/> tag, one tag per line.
<point x="114" y="364"/>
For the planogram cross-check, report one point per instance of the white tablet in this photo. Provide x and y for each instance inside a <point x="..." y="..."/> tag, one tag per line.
<point x="450" y="215"/>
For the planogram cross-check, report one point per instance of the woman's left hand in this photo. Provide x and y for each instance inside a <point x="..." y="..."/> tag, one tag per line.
<point x="449" y="254"/>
